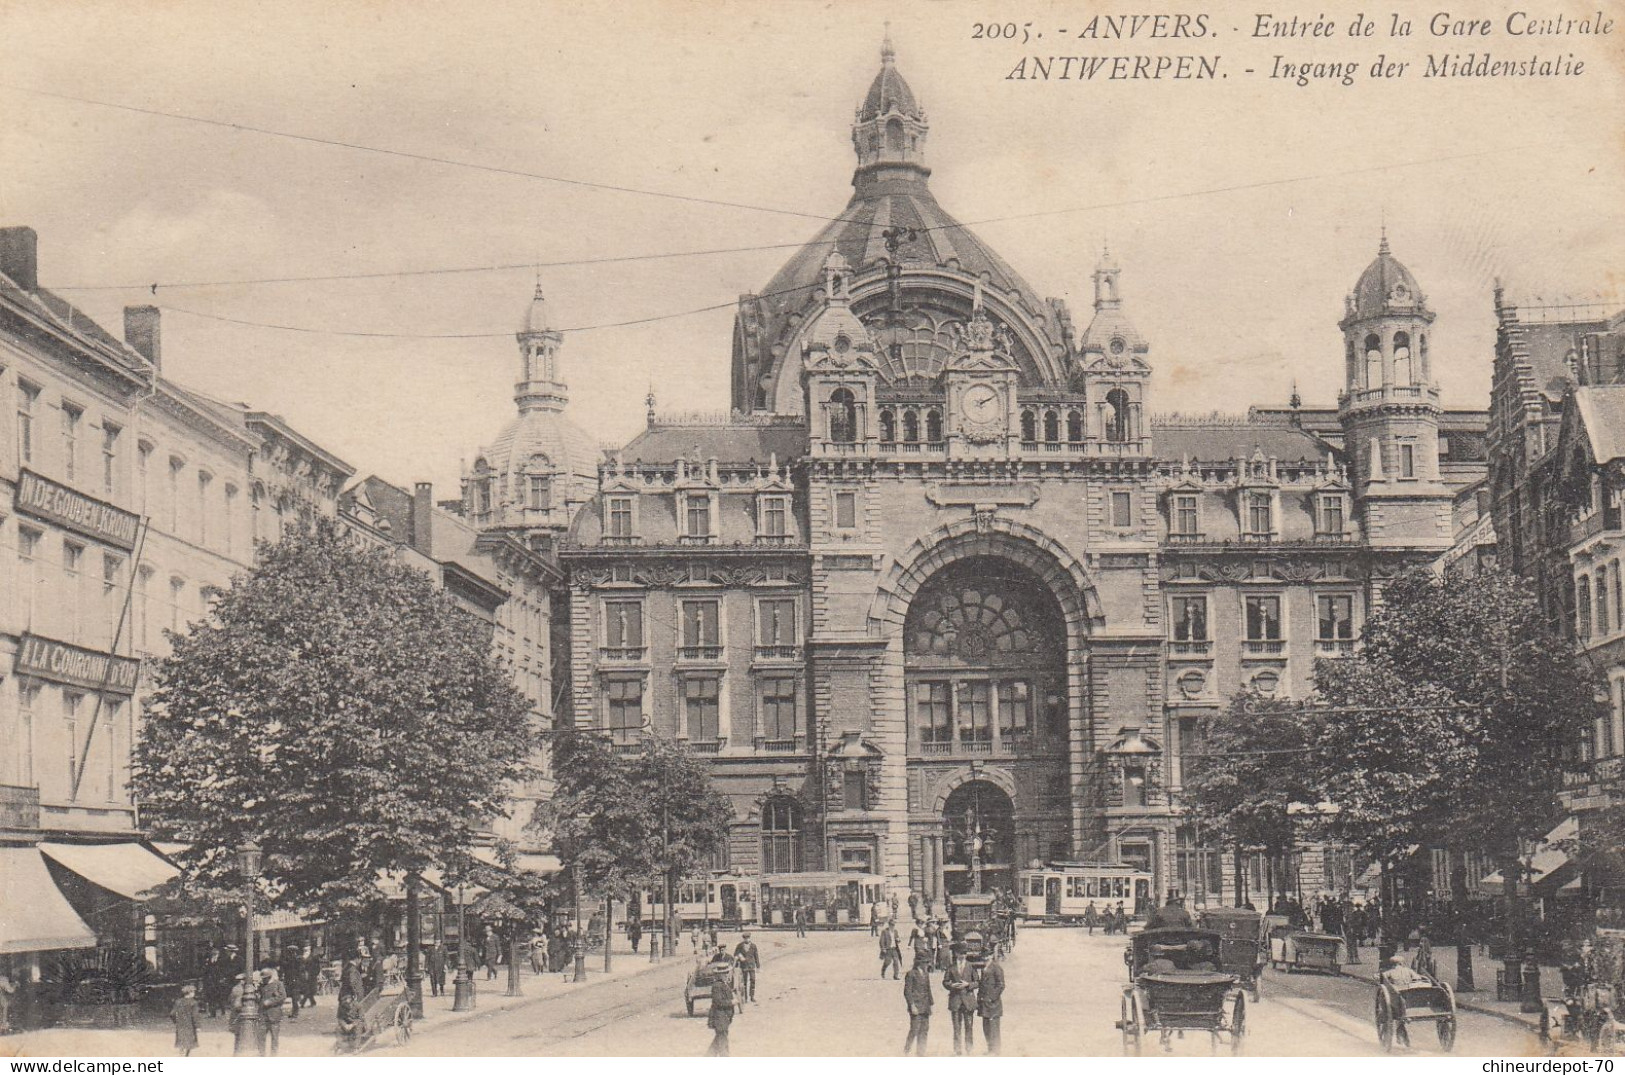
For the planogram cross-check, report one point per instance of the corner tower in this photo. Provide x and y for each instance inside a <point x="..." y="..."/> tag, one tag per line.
<point x="1389" y="409"/>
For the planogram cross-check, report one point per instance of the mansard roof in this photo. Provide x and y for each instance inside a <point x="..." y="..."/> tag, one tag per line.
<point x="731" y="442"/>
<point x="1215" y="439"/>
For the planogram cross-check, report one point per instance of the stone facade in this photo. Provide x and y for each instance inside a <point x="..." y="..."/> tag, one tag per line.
<point x="942" y="596"/>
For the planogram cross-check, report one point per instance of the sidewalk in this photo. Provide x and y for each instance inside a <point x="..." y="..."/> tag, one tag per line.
<point x="1482" y="999"/>
<point x="312" y="1033"/>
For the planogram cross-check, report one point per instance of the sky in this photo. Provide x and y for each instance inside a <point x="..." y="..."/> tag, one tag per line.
<point x="1241" y="210"/>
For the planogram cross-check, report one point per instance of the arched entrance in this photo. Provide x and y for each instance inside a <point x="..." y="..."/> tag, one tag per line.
<point x="979" y="838"/>
<point x="984" y="659"/>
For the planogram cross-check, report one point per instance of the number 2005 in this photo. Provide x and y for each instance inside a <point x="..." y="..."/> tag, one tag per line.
<point x="1001" y="31"/>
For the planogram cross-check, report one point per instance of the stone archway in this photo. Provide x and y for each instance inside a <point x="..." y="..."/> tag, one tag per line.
<point x="979" y="838"/>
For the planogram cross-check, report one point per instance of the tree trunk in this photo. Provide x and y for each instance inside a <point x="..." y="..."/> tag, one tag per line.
<point x="1241" y="880"/>
<point x="1464" y="943"/>
<point x="514" y="988"/>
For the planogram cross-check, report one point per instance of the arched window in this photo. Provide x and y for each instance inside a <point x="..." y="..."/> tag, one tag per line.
<point x="1117" y="423"/>
<point x="843" y="416"/>
<point x="1403" y="373"/>
<point x="933" y="425"/>
<point x="911" y="426"/>
<point x="1029" y="426"/>
<point x="1052" y="426"/>
<point x="781" y="836"/>
<point x="888" y="425"/>
<point x="1373" y="361"/>
<point x="1602" y="600"/>
<point x="1422" y="344"/>
<point x="894" y="135"/>
<point x="1074" y="426"/>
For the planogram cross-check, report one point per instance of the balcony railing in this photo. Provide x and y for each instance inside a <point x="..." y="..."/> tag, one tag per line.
<point x="622" y="653"/>
<point x="696" y="539"/>
<point x="976" y="746"/>
<point x="936" y="748"/>
<point x="777" y="746"/>
<point x="1190" y="649"/>
<point x="620" y="539"/>
<point x="19" y="807"/>
<point x="706" y="746"/>
<point x="778" y="653"/>
<point x="1334" y="647"/>
<point x="699" y="653"/>
<point x="627" y="749"/>
<point x="1267" y="647"/>
<point x="1186" y="537"/>
<point x="775" y="539"/>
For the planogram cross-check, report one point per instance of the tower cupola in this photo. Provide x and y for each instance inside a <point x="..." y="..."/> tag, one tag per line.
<point x="541" y="385"/>
<point x="890" y="126"/>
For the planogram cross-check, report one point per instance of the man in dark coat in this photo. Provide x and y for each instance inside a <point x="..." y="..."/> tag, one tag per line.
<point x="891" y="952"/>
<point x="990" y="1001"/>
<point x="1171" y="915"/>
<point x="273" y="995"/>
<point x="186" y="1019"/>
<point x="748" y="958"/>
<point x="959" y="979"/>
<point x="435" y="958"/>
<point x="917" y="997"/>
<point x="493" y="953"/>
<point x="723" y="1008"/>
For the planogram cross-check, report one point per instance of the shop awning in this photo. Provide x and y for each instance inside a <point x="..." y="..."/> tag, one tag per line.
<point x="1546" y="864"/>
<point x="128" y="869"/>
<point x="34" y="915"/>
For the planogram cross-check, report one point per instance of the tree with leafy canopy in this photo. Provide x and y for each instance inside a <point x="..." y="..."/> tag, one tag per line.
<point x="1247" y="774"/>
<point x="622" y="822"/>
<point x="1458" y="713"/>
<point x="339" y="710"/>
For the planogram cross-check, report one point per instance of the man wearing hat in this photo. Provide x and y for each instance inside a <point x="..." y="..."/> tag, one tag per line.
<point x="1172" y="915"/>
<point x="748" y="958"/>
<point x="990" y="1000"/>
<point x="917" y="997"/>
<point x="273" y="995"/>
<point x="959" y="979"/>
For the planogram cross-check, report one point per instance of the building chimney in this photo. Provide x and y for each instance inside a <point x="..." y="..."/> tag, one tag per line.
<point x="423" y="518"/>
<point x="141" y="332"/>
<point x="19" y="257"/>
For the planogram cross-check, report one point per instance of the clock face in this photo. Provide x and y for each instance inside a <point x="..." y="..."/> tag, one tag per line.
<point x="982" y="408"/>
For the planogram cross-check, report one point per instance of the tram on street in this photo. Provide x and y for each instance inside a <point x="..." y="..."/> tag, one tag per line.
<point x="830" y="899"/>
<point x="724" y="898"/>
<point x="1060" y="891"/>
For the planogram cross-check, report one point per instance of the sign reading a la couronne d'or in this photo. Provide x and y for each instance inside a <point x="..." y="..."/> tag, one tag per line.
<point x="45" y="499"/>
<point x="63" y="662"/>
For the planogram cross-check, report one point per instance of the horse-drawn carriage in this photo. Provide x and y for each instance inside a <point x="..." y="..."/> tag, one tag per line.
<point x="1590" y="1013"/>
<point x="1421" y="999"/>
<point x="1178" y="985"/>
<point x="370" y="1017"/>
<point x="1245" y="946"/>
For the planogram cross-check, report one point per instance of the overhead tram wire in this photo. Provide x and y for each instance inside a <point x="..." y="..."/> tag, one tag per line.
<point x="624" y="189"/>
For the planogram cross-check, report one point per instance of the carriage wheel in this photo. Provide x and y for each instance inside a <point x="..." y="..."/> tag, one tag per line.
<point x="1385" y="1022"/>
<point x="1133" y="1032"/>
<point x="1447" y="1033"/>
<point x="403" y="1024"/>
<point x="1238" y="1024"/>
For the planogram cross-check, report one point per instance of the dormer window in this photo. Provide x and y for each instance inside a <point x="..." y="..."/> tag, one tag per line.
<point x="618" y="517"/>
<point x="539" y="492"/>
<point x="1185" y="515"/>
<point x="773" y="519"/>
<point x="1331" y="516"/>
<point x="1259" y="514"/>
<point x="697" y="516"/>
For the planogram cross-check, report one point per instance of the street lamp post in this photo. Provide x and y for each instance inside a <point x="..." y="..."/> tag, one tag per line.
<point x="414" y="944"/>
<point x="580" y="940"/>
<point x="462" y="998"/>
<point x="250" y="1040"/>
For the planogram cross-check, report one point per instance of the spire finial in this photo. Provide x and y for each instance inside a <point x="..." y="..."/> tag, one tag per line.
<point x="888" y="54"/>
<point x="1382" y="247"/>
<point x="649" y="401"/>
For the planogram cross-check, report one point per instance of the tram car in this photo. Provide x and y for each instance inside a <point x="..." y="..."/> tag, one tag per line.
<point x="724" y="899"/>
<point x="1060" y="891"/>
<point x="830" y="900"/>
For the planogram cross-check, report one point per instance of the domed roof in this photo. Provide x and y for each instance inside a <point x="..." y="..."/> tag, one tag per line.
<point x="889" y="92"/>
<point x="572" y="454"/>
<point x="1386" y="286"/>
